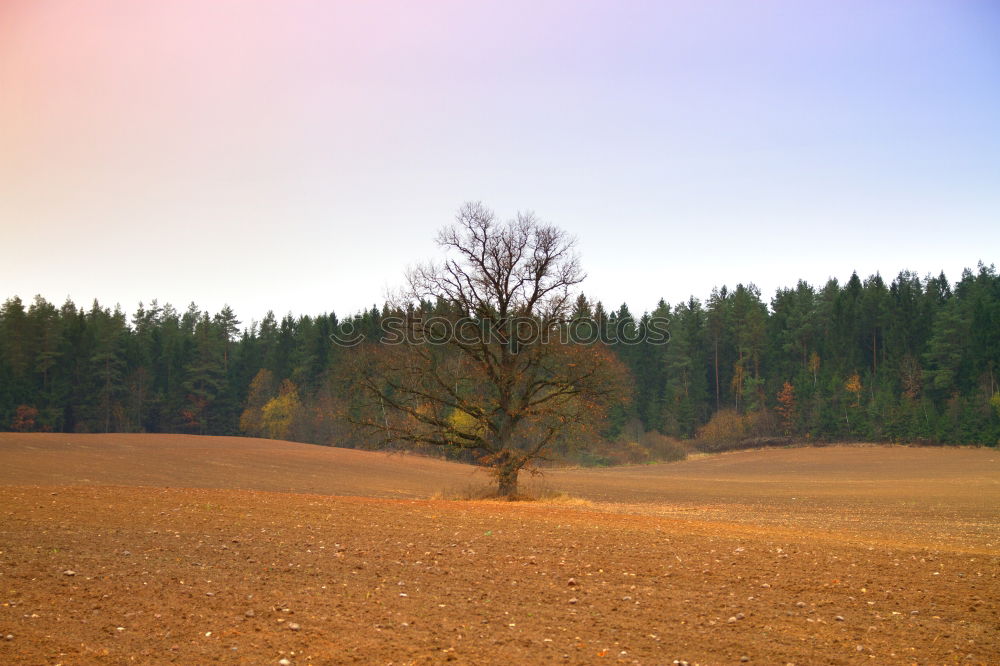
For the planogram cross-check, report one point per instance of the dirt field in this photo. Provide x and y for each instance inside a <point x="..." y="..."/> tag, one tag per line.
<point x="145" y="549"/>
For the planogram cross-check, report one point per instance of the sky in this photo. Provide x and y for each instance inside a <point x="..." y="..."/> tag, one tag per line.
<point x="298" y="156"/>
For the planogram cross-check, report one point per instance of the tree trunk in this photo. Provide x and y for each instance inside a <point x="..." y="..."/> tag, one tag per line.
<point x="107" y="393"/>
<point x="718" y="399"/>
<point x="508" y="464"/>
<point x="874" y="354"/>
<point x="507" y="479"/>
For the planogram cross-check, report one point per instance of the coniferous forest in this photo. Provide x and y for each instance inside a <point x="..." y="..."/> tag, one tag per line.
<point x="914" y="360"/>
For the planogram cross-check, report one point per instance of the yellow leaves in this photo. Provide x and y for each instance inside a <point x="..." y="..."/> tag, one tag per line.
<point x="252" y="418"/>
<point x="279" y="413"/>
<point x="814" y="362"/>
<point x="464" y="423"/>
<point x="853" y="385"/>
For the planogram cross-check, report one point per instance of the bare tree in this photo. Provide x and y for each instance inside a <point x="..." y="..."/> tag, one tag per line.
<point x="482" y="360"/>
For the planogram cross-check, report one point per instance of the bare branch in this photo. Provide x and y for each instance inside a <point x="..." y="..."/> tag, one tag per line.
<point x="509" y="395"/>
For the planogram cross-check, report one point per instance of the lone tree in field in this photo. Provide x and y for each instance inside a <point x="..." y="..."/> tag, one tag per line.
<point x="481" y="356"/>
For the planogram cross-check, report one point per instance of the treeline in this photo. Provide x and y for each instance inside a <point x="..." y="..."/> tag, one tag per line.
<point x="914" y="360"/>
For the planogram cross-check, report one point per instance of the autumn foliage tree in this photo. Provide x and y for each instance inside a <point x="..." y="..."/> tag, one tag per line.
<point x="24" y="419"/>
<point x="282" y="412"/>
<point x="491" y="366"/>
<point x="786" y="407"/>
<point x="261" y="391"/>
<point x="853" y="386"/>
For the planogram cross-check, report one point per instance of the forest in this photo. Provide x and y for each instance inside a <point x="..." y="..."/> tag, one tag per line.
<point x="913" y="361"/>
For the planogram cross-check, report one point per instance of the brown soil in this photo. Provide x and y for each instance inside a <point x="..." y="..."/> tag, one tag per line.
<point x="147" y="549"/>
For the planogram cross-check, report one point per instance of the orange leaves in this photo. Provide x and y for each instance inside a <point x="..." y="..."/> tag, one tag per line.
<point x="786" y="407"/>
<point x="24" y="419"/>
<point x="853" y="385"/>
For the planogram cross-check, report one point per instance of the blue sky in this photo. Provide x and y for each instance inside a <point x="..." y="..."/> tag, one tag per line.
<point x="297" y="156"/>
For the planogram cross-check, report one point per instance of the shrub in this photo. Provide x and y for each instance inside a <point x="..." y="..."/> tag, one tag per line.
<point x="662" y="447"/>
<point x="725" y="430"/>
<point x="728" y="429"/>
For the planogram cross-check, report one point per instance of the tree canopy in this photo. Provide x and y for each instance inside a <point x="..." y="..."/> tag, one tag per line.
<point x="489" y="367"/>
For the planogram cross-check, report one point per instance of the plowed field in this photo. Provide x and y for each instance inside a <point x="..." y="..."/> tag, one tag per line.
<point x="172" y="549"/>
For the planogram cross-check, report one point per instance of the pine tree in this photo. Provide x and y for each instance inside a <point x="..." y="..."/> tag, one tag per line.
<point x="108" y="367"/>
<point x="204" y="379"/>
